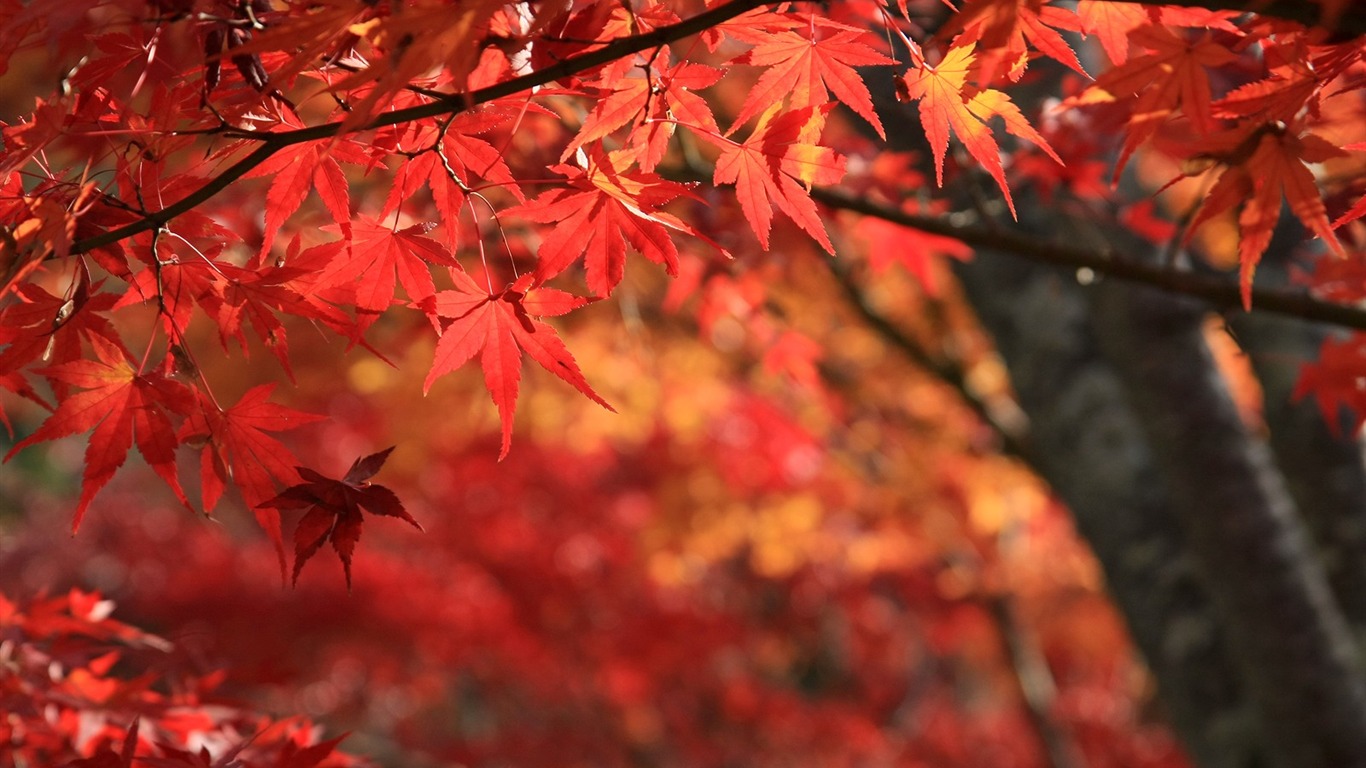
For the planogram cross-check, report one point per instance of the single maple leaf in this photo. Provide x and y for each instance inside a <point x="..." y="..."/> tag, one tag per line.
<point x="606" y="208"/>
<point x="499" y="327"/>
<point x="805" y="66"/>
<point x="123" y="407"/>
<point x="948" y="103"/>
<point x="1334" y="381"/>
<point x="377" y="254"/>
<point x="332" y="509"/>
<point x="1263" y="164"/>
<point x="1111" y="23"/>
<point x="776" y="165"/>
<point x="889" y="244"/>
<point x="1285" y="91"/>
<point x="312" y="165"/>
<point x="237" y="450"/>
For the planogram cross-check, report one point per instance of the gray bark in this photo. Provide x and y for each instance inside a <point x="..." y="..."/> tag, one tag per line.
<point x="1287" y="637"/>
<point x="1089" y="446"/>
<point x="1322" y="464"/>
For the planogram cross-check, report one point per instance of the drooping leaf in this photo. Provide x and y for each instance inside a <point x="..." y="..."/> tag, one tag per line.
<point x="606" y="207"/>
<point x="1170" y="76"/>
<point x="499" y="326"/>
<point x="805" y="67"/>
<point x="332" y="509"/>
<point x="1265" y="164"/>
<point x="124" y="408"/>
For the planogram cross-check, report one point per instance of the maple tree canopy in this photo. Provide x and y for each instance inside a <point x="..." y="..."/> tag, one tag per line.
<point x="452" y="183"/>
<point x="526" y="150"/>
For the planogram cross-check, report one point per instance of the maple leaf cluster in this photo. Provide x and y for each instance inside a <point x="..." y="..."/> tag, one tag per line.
<point x="69" y="702"/>
<point x="260" y="170"/>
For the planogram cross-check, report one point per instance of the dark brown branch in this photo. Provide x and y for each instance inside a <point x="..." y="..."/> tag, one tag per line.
<point x="1038" y="689"/>
<point x="1013" y="441"/>
<point x="274" y="142"/>
<point x="1219" y="293"/>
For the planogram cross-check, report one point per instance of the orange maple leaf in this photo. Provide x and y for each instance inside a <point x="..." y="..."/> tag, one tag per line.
<point x="1263" y="164"/>
<point x="1008" y="29"/>
<point x="772" y="166"/>
<point x="947" y="102"/>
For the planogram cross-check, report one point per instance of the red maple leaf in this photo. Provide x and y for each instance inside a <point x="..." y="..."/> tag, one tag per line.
<point x="332" y="509"/>
<point x="41" y="326"/>
<point x="301" y="168"/>
<point x="776" y="165"/>
<point x="1111" y="23"/>
<point x="662" y="99"/>
<point x="239" y="451"/>
<point x="605" y="208"/>
<point x="456" y="156"/>
<point x="1169" y="76"/>
<point x="253" y="297"/>
<point x="806" y="66"/>
<point x="377" y="254"/>
<point x="1334" y="381"/>
<point x="499" y="327"/>
<point x="123" y="407"/>
<point x="889" y="244"/>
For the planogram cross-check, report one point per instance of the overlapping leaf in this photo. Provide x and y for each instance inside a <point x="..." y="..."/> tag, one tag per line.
<point x="1263" y="165"/>
<point x="1172" y="75"/>
<point x="805" y="67"/>
<point x="238" y="450"/>
<point x="606" y="207"/>
<point x="776" y="165"/>
<point x="947" y="103"/>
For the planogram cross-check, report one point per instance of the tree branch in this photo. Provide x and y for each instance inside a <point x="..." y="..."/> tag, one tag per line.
<point x="274" y="142"/>
<point x="1014" y="441"/>
<point x="1220" y="293"/>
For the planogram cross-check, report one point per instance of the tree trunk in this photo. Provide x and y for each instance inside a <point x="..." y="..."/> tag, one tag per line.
<point x="1287" y="637"/>
<point x="1091" y="450"/>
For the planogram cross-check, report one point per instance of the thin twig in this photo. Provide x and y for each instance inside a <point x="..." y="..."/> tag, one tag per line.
<point x="274" y="142"/>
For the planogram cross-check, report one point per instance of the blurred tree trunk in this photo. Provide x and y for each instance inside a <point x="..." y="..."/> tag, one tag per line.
<point x="1287" y="636"/>
<point x="1322" y="463"/>
<point x="1089" y="447"/>
<point x="1192" y="523"/>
